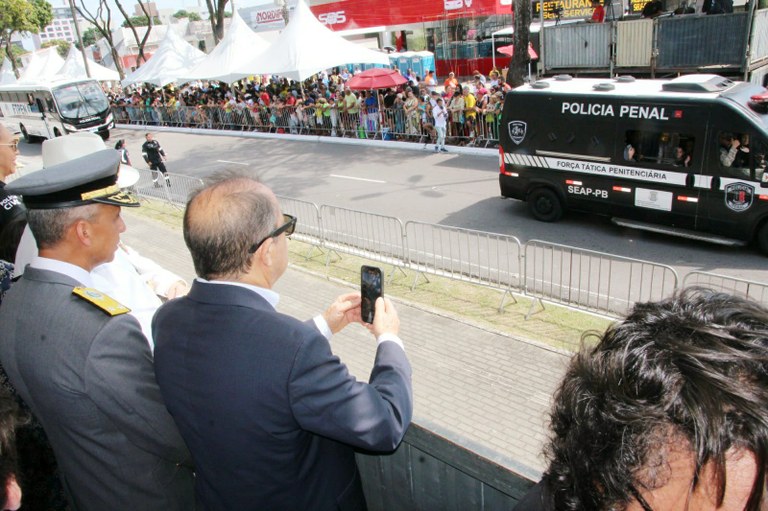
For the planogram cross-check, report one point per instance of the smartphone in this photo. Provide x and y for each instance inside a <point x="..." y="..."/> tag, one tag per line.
<point x="371" y="287"/>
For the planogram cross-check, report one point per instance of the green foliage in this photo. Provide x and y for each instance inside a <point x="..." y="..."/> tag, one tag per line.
<point x="42" y="13"/>
<point x="90" y="37"/>
<point x="140" y="21"/>
<point x="62" y="46"/>
<point x="227" y="14"/>
<point x="193" y="16"/>
<point x="23" y="16"/>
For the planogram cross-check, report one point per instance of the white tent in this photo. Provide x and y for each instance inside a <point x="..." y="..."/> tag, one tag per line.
<point x="225" y="62"/>
<point x="74" y="68"/>
<point x="173" y="58"/>
<point x="306" y="47"/>
<point x="42" y="66"/>
<point x="6" y="73"/>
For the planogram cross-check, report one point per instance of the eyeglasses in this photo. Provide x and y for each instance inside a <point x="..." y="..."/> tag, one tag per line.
<point x="288" y="227"/>
<point x="13" y="145"/>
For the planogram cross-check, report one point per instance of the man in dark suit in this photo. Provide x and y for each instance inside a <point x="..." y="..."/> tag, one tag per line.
<point x="78" y="360"/>
<point x="270" y="415"/>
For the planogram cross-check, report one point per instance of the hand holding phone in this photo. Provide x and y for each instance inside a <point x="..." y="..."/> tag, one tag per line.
<point x="371" y="287"/>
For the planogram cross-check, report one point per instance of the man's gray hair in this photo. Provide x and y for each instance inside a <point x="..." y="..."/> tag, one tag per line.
<point x="50" y="225"/>
<point x="224" y="220"/>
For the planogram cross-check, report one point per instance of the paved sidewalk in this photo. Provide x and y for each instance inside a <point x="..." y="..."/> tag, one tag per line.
<point x="485" y="391"/>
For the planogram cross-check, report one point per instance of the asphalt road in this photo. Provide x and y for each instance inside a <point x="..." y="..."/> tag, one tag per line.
<point x="447" y="189"/>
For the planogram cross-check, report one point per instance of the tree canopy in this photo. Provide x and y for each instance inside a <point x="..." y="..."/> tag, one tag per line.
<point x="22" y="16"/>
<point x="193" y="16"/>
<point x="90" y="37"/>
<point x="62" y="46"/>
<point x="140" y="21"/>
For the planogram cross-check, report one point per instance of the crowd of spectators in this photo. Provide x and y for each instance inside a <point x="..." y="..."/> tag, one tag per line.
<point x="324" y="105"/>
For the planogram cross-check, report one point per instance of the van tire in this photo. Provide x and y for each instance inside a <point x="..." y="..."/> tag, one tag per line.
<point x="56" y="133"/>
<point x="762" y="238"/>
<point x="545" y="205"/>
<point x="24" y="133"/>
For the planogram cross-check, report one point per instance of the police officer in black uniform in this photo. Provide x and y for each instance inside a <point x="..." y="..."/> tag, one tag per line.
<point x="154" y="156"/>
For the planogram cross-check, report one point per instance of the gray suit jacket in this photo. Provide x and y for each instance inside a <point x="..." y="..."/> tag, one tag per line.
<point x="89" y="378"/>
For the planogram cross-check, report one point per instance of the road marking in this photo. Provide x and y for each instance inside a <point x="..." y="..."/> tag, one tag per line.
<point x="358" y="179"/>
<point x="233" y="162"/>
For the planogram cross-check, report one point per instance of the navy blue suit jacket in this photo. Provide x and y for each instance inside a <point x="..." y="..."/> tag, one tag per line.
<point x="270" y="415"/>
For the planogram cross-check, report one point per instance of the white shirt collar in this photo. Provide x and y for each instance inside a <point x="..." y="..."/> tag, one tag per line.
<point x="270" y="296"/>
<point x="70" y="270"/>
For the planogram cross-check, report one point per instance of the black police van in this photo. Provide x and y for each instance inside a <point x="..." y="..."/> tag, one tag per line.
<point x="685" y="156"/>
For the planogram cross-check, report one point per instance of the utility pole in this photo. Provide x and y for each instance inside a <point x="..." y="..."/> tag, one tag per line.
<point x="79" y="37"/>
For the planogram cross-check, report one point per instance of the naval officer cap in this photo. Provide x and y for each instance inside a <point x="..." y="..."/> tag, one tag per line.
<point x="85" y="180"/>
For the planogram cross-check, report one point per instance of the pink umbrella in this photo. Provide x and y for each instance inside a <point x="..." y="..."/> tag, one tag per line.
<point x="376" y="78"/>
<point x="508" y="50"/>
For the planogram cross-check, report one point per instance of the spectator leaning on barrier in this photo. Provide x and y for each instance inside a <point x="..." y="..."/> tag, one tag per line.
<point x="666" y="413"/>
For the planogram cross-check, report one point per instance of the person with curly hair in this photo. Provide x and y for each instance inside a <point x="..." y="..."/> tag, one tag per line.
<point x="668" y="412"/>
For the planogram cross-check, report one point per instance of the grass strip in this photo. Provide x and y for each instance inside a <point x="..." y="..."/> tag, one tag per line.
<point x="559" y="327"/>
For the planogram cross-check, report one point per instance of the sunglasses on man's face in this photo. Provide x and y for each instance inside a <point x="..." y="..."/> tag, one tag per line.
<point x="289" y="225"/>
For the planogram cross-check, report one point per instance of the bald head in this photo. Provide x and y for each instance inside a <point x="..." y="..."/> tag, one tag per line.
<point x="223" y="220"/>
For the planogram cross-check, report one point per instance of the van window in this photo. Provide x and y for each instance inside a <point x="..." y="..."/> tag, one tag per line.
<point x="759" y="151"/>
<point x="659" y="148"/>
<point x="735" y="153"/>
<point x="742" y="156"/>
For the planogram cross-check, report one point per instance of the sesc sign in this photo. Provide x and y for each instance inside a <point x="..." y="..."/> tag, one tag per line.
<point x="332" y="18"/>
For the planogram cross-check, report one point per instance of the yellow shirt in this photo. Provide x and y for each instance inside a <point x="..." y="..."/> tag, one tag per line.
<point x="469" y="105"/>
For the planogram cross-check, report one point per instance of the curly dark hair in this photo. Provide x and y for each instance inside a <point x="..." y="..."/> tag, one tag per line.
<point x="9" y="420"/>
<point x="690" y="370"/>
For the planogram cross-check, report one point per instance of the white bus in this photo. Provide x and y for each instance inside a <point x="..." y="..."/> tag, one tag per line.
<point x="53" y="109"/>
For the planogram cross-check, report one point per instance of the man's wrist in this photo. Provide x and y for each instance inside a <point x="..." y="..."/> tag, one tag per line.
<point x="322" y="325"/>
<point x="390" y="337"/>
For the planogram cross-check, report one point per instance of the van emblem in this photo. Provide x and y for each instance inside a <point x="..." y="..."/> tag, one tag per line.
<point x="738" y="196"/>
<point x="517" y="131"/>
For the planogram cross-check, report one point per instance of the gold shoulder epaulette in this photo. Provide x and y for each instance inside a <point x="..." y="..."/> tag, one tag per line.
<point x="100" y="300"/>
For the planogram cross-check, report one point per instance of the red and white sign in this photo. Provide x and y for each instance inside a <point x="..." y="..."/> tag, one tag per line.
<point x="268" y="16"/>
<point x="346" y="15"/>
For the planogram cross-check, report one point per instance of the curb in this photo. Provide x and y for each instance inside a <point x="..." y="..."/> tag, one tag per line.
<point x="409" y="146"/>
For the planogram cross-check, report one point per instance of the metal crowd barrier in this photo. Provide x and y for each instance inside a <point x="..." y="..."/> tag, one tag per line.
<point x="757" y="291"/>
<point x="593" y="281"/>
<point x="319" y="119"/>
<point x="175" y="191"/>
<point x="376" y="237"/>
<point x="547" y="272"/>
<point x="493" y="260"/>
<point x="309" y="227"/>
